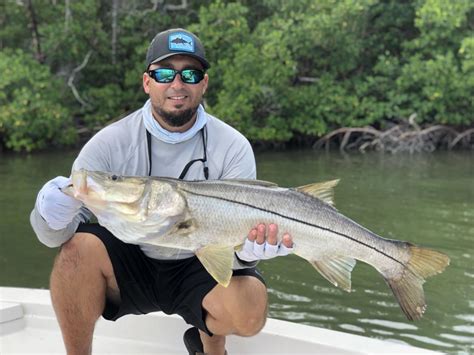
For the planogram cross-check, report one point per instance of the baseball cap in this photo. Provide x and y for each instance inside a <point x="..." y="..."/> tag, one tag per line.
<point x="175" y="41"/>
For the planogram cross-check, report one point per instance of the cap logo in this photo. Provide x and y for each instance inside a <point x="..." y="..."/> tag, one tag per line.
<point x="180" y="41"/>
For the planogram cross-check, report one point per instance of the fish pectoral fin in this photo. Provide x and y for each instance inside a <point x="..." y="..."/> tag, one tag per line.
<point x="186" y="226"/>
<point x="218" y="261"/>
<point x="322" y="190"/>
<point x="336" y="270"/>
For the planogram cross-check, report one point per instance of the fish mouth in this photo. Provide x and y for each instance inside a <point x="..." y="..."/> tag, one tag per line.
<point x="68" y="190"/>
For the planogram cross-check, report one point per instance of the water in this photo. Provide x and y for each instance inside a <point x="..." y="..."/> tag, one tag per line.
<point x="425" y="199"/>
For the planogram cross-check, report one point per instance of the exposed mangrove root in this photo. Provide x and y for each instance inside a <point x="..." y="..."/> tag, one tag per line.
<point x="407" y="136"/>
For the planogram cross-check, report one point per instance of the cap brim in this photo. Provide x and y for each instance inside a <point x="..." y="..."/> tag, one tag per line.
<point x="204" y="62"/>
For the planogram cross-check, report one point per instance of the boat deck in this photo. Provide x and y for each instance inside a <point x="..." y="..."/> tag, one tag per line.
<point x="28" y="325"/>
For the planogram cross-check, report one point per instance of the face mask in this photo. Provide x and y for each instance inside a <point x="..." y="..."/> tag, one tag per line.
<point x="171" y="137"/>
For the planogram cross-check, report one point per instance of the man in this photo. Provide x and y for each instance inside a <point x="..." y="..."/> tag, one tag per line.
<point x="96" y="274"/>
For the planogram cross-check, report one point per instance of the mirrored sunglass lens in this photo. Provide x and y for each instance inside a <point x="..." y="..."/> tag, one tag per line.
<point x="192" y="76"/>
<point x="164" y="75"/>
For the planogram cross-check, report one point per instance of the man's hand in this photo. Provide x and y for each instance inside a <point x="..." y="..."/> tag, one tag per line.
<point x="57" y="208"/>
<point x="262" y="243"/>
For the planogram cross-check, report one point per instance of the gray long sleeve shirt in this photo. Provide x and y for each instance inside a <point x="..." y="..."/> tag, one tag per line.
<point x="121" y="148"/>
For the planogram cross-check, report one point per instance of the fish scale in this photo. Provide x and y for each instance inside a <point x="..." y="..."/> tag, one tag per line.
<point x="266" y="208"/>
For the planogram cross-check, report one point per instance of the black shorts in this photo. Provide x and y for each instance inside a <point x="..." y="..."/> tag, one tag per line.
<point x="148" y="285"/>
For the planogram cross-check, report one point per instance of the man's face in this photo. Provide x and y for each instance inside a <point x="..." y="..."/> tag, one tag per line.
<point x="174" y="104"/>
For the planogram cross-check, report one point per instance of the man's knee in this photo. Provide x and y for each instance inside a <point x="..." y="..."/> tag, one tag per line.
<point x="81" y="248"/>
<point x="68" y="257"/>
<point x="251" y="321"/>
<point x="252" y="315"/>
<point x="251" y="326"/>
<point x="240" y="308"/>
<point x="78" y="284"/>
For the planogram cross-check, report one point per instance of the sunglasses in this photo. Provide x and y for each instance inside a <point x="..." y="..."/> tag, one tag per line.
<point x="167" y="75"/>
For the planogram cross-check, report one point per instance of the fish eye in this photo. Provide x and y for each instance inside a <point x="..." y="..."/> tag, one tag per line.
<point x="114" y="177"/>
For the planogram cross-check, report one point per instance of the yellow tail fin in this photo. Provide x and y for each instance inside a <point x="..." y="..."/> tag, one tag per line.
<point x="408" y="289"/>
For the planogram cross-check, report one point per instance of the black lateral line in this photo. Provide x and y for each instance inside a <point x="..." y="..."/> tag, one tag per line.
<point x="295" y="220"/>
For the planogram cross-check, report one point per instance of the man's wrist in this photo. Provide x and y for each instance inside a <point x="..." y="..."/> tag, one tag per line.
<point x="245" y="262"/>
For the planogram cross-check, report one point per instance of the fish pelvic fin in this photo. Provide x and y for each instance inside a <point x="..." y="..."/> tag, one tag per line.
<point x="321" y="190"/>
<point x="218" y="261"/>
<point x="408" y="289"/>
<point x="336" y="270"/>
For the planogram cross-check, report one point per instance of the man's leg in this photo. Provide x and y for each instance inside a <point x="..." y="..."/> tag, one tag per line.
<point x="81" y="279"/>
<point x="240" y="309"/>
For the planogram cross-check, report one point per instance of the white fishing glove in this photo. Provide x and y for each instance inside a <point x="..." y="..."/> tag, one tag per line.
<point x="57" y="208"/>
<point x="252" y="251"/>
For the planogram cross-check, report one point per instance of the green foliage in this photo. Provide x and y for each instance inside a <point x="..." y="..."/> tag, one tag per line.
<point x="345" y="63"/>
<point x="280" y="70"/>
<point x="222" y="28"/>
<point x="466" y="53"/>
<point x="31" y="114"/>
<point x="442" y="25"/>
<point x="435" y="90"/>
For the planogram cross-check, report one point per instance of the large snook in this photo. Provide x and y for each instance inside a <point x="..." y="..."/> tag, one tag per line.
<point x="212" y="218"/>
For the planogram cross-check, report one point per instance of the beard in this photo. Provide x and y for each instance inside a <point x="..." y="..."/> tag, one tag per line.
<point x="176" y="119"/>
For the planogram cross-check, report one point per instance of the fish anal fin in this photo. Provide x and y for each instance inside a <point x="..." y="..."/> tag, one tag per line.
<point x="408" y="288"/>
<point x="218" y="261"/>
<point x="322" y="190"/>
<point x="336" y="270"/>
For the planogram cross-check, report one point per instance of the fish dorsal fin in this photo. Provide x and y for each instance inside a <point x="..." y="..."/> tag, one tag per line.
<point x="218" y="261"/>
<point x="322" y="190"/>
<point x="336" y="270"/>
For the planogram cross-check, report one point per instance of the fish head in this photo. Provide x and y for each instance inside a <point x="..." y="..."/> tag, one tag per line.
<point x="106" y="193"/>
<point x="130" y="206"/>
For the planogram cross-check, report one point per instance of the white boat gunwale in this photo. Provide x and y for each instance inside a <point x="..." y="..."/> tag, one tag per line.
<point x="28" y="325"/>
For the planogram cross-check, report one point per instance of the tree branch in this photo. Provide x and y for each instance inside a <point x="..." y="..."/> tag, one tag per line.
<point x="166" y="7"/>
<point x="67" y="15"/>
<point x="70" y="81"/>
<point x="307" y="79"/>
<point x="182" y="6"/>
<point x="407" y="136"/>
<point x="460" y="136"/>
<point x="35" y="34"/>
<point x="115" y="6"/>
